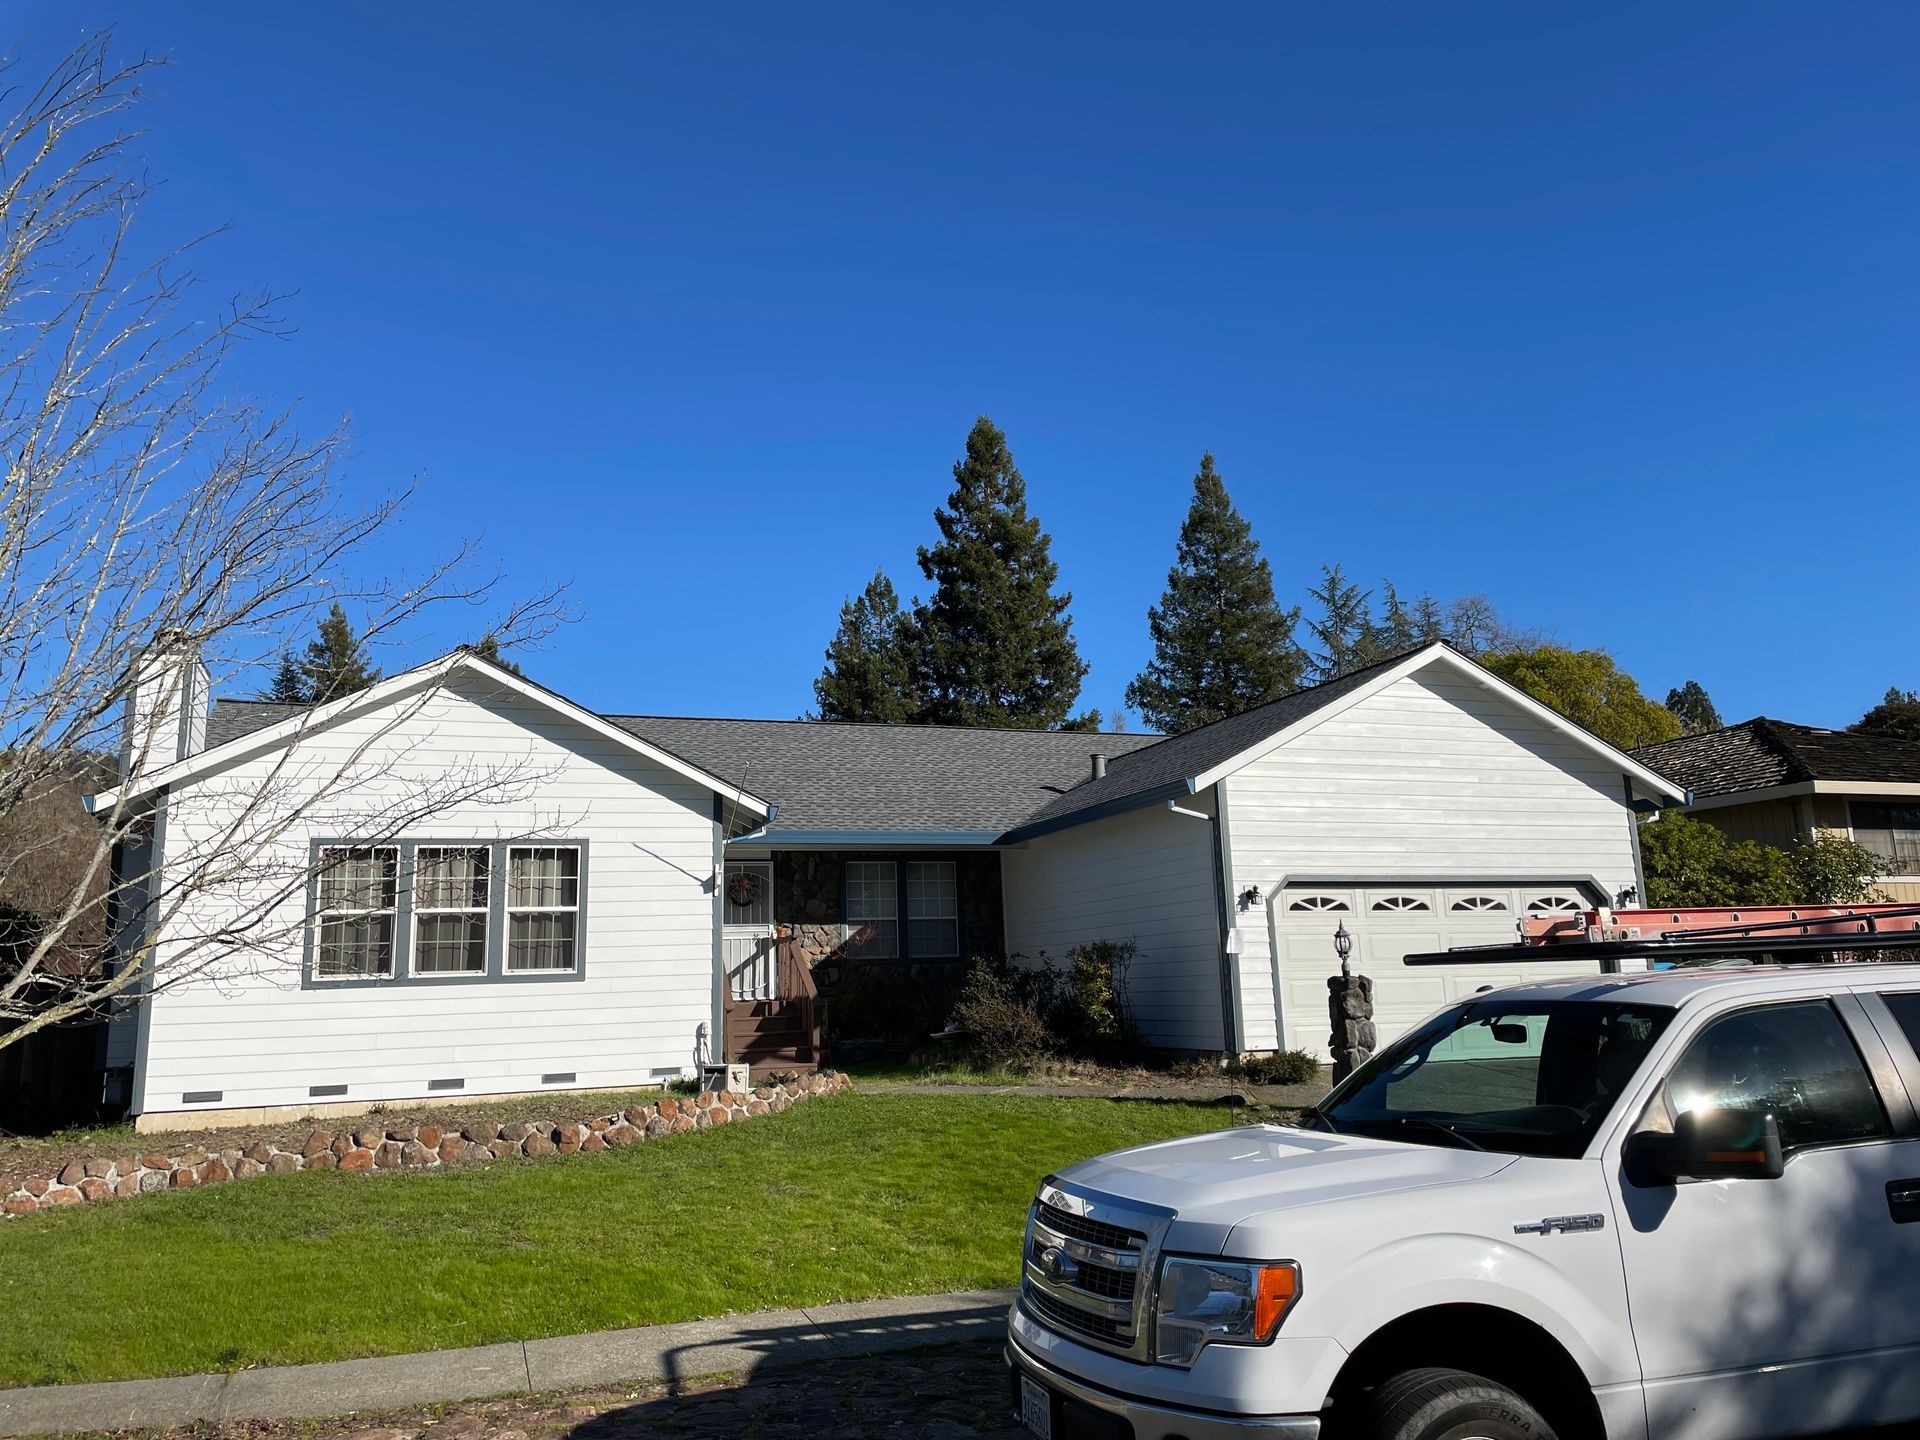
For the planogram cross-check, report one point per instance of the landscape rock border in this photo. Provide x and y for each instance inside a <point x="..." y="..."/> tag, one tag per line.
<point x="370" y="1146"/>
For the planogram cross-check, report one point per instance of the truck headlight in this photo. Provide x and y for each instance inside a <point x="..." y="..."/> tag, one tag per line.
<point x="1218" y="1302"/>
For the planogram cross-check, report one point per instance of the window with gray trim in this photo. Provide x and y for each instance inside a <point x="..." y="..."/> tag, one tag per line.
<point x="356" y="912"/>
<point x="543" y="907"/>
<point x="450" y="889"/>
<point x="933" y="910"/>
<point x="1891" y="831"/>
<point x="873" y="910"/>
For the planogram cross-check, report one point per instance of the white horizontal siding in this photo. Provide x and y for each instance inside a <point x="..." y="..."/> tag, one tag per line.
<point x="1433" y="777"/>
<point x="1145" y="877"/>
<point x="251" y="1032"/>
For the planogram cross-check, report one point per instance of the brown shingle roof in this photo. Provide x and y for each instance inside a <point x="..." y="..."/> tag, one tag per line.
<point x="1760" y="753"/>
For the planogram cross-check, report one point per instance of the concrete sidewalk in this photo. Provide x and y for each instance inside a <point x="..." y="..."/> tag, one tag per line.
<point x="667" y="1353"/>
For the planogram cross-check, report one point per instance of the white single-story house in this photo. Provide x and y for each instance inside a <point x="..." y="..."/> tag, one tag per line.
<point x="460" y="881"/>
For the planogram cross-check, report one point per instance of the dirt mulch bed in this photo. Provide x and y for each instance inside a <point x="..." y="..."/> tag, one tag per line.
<point x="25" y="1155"/>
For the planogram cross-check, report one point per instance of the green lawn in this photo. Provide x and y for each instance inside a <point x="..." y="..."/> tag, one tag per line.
<point x="839" y="1200"/>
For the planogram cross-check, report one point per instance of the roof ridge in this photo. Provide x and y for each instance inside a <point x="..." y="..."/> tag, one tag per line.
<point x="1149" y="735"/>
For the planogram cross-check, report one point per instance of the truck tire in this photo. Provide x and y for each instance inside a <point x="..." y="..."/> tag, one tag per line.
<point x="1435" y="1404"/>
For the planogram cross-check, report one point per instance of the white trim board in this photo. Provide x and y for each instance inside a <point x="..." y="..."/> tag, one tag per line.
<point x="396" y="687"/>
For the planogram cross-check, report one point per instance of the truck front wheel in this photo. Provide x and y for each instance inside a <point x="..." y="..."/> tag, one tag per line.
<point x="1436" y="1404"/>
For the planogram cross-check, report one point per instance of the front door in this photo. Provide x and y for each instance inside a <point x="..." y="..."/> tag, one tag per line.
<point x="746" y="932"/>
<point x="1777" y="1307"/>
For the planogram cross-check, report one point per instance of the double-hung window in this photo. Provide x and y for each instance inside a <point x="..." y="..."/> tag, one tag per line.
<point x="543" y="908"/>
<point x="356" y="912"/>
<point x="933" y="911"/>
<point x="873" y="910"/>
<point x="450" y="909"/>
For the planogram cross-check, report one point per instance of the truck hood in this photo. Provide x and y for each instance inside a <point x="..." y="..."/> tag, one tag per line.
<point x="1217" y="1181"/>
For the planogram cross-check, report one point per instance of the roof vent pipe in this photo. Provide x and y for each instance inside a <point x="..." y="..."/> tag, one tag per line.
<point x="1099" y="767"/>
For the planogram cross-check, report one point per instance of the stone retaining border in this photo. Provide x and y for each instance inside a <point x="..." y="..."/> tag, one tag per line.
<point x="372" y="1147"/>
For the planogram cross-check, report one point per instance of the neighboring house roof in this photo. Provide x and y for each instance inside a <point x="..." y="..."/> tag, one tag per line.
<point x="1763" y="754"/>
<point x="288" y="723"/>
<point x="1188" y="763"/>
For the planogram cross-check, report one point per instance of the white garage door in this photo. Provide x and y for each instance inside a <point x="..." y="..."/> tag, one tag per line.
<point x="1389" y="921"/>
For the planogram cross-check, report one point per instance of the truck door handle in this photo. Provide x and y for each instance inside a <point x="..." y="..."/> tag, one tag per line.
<point x="1903" y="1200"/>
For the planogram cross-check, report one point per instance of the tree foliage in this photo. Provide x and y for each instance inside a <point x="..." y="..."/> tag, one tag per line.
<point x="1689" y="705"/>
<point x="869" y="671"/>
<point x="994" y="642"/>
<point x="1589" y="689"/>
<point x="1221" y="642"/>
<point x="1342" y="626"/>
<point x="334" y="663"/>
<point x="1690" y="862"/>
<point x="1898" y="715"/>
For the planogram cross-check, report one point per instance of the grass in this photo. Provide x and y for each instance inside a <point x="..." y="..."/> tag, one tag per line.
<point x="839" y="1200"/>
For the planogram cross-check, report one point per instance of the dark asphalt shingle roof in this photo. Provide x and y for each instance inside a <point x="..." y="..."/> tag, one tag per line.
<point x="1760" y="753"/>
<point x="231" y="719"/>
<point x="828" y="776"/>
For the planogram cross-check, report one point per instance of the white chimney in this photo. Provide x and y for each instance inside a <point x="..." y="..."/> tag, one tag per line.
<point x="166" y="706"/>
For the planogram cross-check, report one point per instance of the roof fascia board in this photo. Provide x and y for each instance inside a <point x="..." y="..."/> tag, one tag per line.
<point x="1865" y="787"/>
<point x="1119" y="805"/>
<point x="385" y="692"/>
<point x="1759" y="796"/>
<point x="777" y="839"/>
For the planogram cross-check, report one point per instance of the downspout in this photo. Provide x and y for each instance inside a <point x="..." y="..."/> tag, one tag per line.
<point x="1633" y="836"/>
<point x="1229" y="1023"/>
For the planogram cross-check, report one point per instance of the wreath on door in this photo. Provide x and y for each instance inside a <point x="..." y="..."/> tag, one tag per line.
<point x="743" y="887"/>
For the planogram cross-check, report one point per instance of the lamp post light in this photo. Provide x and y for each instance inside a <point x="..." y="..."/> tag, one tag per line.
<point x="1343" y="947"/>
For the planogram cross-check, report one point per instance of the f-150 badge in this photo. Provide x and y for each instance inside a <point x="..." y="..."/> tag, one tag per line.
<point x="1565" y="1224"/>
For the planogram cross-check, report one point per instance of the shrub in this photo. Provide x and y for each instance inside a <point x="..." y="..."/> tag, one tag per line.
<point x="1288" y="1067"/>
<point x="1004" y="1012"/>
<point x="882" y="1003"/>
<point x="1091" y="1010"/>
<point x="1692" y="862"/>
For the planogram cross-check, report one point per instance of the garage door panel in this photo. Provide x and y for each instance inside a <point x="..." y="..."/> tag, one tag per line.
<point x="1392" y="921"/>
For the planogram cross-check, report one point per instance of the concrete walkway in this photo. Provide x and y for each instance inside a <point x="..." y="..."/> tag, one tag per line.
<point x="672" y="1354"/>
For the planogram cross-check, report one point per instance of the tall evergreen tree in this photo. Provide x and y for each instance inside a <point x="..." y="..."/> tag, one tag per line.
<point x="1692" y="708"/>
<point x="1897" y="714"/>
<point x="869" y="674"/>
<point x="289" y="685"/>
<point x="1221" y="642"/>
<point x="487" y="648"/>
<point x="995" y="644"/>
<point x="335" y="660"/>
<point x="1343" y="628"/>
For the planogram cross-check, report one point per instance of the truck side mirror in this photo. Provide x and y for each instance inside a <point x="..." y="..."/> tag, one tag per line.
<point x="1707" y="1145"/>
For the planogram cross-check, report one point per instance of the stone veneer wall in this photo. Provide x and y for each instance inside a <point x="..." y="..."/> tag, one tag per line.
<point x="409" y="1147"/>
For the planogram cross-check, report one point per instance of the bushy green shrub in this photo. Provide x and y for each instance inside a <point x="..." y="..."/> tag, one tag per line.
<point x="1091" y="1012"/>
<point x="1692" y="862"/>
<point x="1288" y="1067"/>
<point x="1017" y="1014"/>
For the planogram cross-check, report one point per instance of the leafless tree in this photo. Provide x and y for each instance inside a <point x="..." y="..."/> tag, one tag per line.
<point x="148" y="513"/>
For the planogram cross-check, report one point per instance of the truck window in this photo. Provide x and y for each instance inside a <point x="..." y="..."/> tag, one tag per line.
<point x="1527" y="1078"/>
<point x="1905" y="1005"/>
<point x="1796" y="1061"/>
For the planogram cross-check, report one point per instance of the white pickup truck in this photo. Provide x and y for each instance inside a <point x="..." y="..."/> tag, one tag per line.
<point x="1677" y="1204"/>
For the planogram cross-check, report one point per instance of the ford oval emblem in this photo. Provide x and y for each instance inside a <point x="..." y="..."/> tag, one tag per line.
<point x="1059" y="1265"/>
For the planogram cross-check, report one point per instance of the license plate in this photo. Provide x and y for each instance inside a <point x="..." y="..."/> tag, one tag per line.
<point x="1036" y="1407"/>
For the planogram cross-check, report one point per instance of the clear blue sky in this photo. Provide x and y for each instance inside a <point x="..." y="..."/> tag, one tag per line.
<point x="1611" y="312"/>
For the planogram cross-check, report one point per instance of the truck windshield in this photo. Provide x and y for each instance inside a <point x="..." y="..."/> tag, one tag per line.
<point x="1524" y="1077"/>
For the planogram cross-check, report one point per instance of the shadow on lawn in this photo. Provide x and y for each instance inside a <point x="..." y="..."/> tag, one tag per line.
<point x="937" y="1374"/>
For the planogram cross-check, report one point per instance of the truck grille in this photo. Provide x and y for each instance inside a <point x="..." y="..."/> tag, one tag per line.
<point x="1087" y="1275"/>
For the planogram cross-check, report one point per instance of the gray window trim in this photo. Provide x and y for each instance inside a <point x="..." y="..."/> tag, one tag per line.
<point x="496" y="972"/>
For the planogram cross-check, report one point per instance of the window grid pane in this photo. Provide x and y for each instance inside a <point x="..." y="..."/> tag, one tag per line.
<point x="933" y="910"/>
<point x="873" y="923"/>
<point x="543" y="899"/>
<point x="356" y="907"/>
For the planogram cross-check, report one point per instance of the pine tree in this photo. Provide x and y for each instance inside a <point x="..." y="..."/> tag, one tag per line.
<point x="1897" y="714"/>
<point x="869" y="674"/>
<point x="1221" y="642"/>
<point x="335" y="662"/>
<point x="1344" y="628"/>
<point x="487" y="648"/>
<point x="289" y="686"/>
<point x="995" y="644"/>
<point x="1692" y="708"/>
<point x="1429" y="621"/>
